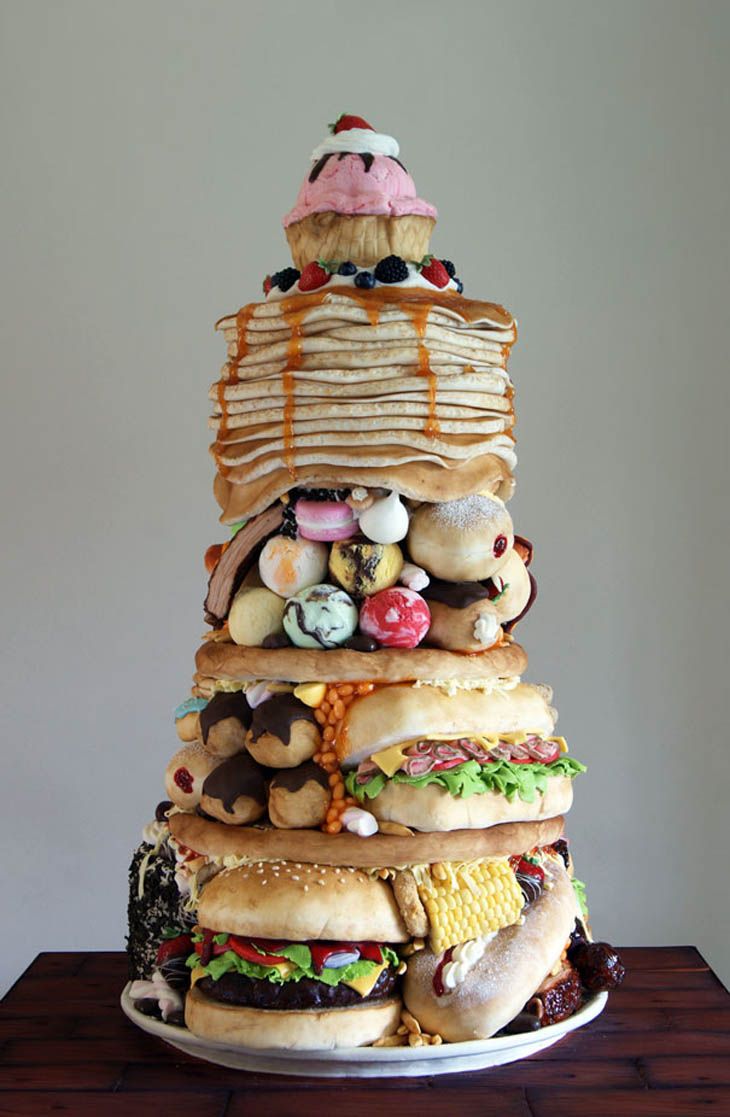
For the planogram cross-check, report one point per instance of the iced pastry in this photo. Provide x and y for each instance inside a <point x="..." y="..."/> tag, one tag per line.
<point x="289" y="565"/>
<point x="364" y="568"/>
<point x="396" y="618"/>
<point x="255" y="614"/>
<point x="321" y="616"/>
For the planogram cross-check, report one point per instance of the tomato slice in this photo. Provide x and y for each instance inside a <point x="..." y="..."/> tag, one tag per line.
<point x="519" y="754"/>
<point x="249" y="953"/>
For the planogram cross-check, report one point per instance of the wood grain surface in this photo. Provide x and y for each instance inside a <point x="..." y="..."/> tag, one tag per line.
<point x="661" y="1047"/>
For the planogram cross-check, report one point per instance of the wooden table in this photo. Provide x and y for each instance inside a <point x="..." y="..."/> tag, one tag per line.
<point x="662" y="1046"/>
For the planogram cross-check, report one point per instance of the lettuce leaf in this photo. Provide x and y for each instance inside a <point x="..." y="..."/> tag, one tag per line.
<point x="580" y="894"/>
<point x="300" y="955"/>
<point x="473" y="778"/>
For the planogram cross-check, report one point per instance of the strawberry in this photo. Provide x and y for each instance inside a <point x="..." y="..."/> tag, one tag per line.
<point x="345" y="121"/>
<point x="314" y="275"/>
<point x="267" y="284"/>
<point x="434" y="271"/>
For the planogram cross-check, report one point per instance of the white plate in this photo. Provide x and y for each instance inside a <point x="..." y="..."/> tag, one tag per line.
<point x="366" y="1062"/>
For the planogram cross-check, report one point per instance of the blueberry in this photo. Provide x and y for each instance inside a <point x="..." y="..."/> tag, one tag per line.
<point x="348" y="268"/>
<point x="449" y="268"/>
<point x="365" y="279"/>
<point x="459" y="285"/>
<point x="393" y="269"/>
<point x="285" y="279"/>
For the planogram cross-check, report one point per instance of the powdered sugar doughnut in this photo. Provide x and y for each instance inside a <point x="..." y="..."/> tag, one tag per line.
<point x="186" y="774"/>
<point x="462" y="540"/>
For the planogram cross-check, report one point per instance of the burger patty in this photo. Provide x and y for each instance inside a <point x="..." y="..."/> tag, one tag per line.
<point x="259" y="992"/>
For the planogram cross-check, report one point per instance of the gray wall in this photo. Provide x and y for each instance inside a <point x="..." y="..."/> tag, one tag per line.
<point x="578" y="153"/>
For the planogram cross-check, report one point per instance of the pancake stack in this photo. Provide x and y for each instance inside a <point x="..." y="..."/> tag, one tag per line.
<point x="366" y="814"/>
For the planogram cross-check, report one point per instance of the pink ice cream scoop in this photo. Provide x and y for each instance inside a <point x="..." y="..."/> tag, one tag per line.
<point x="356" y="172"/>
<point x="396" y="617"/>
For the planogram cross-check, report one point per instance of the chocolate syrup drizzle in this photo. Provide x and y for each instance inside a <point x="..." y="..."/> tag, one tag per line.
<point x="223" y="706"/>
<point x="239" y="775"/>
<point x="277" y="715"/>
<point x="366" y="157"/>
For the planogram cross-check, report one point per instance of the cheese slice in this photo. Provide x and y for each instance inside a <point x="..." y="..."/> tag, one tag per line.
<point x="197" y="973"/>
<point x="284" y="968"/>
<point x="364" y="985"/>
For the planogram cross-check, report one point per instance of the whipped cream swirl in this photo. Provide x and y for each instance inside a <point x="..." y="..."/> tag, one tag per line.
<point x="357" y="141"/>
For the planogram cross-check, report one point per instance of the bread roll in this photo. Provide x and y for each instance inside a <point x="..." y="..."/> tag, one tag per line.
<point x="401" y="713"/>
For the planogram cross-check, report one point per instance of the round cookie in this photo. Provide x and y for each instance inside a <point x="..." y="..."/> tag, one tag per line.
<point x="255" y="613"/>
<point x="186" y="774"/>
<point x="224" y="722"/>
<point x="299" y="798"/>
<point x="284" y="732"/>
<point x="235" y="791"/>
<point x="461" y="540"/>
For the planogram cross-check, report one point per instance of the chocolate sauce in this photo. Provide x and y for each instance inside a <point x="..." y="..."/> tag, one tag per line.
<point x="294" y="779"/>
<point x="277" y="715"/>
<point x="223" y="706"/>
<point x="161" y="810"/>
<point x="239" y="775"/>
<point x="319" y="166"/>
<point x="457" y="595"/>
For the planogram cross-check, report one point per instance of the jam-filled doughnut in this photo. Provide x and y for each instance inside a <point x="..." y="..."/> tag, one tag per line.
<point x="284" y="732"/>
<point x="299" y="797"/>
<point x="186" y="774"/>
<point x="461" y="540"/>
<point x="224" y="722"/>
<point x="235" y="791"/>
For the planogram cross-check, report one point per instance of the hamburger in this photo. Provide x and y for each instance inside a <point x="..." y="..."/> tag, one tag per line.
<point x="293" y="955"/>
<point x="433" y="761"/>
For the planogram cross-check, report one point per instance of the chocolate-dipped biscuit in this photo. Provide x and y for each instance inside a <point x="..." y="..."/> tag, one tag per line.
<point x="223" y="723"/>
<point x="284" y="732"/>
<point x="235" y="792"/>
<point x="299" y="797"/>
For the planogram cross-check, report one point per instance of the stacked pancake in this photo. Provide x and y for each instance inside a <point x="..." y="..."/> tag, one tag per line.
<point x="366" y="813"/>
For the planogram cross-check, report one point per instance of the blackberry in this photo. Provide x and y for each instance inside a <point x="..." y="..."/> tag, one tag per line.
<point x="348" y="268"/>
<point x="365" y="279"/>
<point x="393" y="269"/>
<point x="449" y="268"/>
<point x="285" y="278"/>
<point x="459" y="285"/>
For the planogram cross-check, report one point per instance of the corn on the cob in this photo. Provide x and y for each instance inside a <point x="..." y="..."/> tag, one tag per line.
<point x="469" y="901"/>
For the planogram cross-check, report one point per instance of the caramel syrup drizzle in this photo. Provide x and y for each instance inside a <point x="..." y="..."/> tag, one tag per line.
<point x="294" y="316"/>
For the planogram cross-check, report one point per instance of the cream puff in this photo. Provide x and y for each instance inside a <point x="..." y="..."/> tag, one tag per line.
<point x="284" y="732"/>
<point x="299" y="797"/>
<point x="235" y="791"/>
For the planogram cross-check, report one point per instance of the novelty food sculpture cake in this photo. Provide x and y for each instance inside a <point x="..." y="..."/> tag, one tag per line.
<point x="363" y="840"/>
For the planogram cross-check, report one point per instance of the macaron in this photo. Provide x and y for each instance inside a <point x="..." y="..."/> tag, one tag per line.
<point x="363" y="568"/>
<point x="321" y="616"/>
<point x="288" y="565"/>
<point x="325" y="520"/>
<point x="396" y="617"/>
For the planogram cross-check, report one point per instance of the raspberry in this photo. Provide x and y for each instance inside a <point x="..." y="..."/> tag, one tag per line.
<point x="267" y="284"/>
<point x="392" y="269"/>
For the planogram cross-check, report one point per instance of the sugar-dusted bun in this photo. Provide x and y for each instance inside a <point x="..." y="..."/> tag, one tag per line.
<point x="432" y="808"/>
<point x="340" y="665"/>
<point x="308" y="1030"/>
<point x="186" y="773"/>
<point x="512" y="967"/>
<point x="461" y="540"/>
<point x="295" y="901"/>
<point x="401" y="713"/>
<point x="313" y="847"/>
